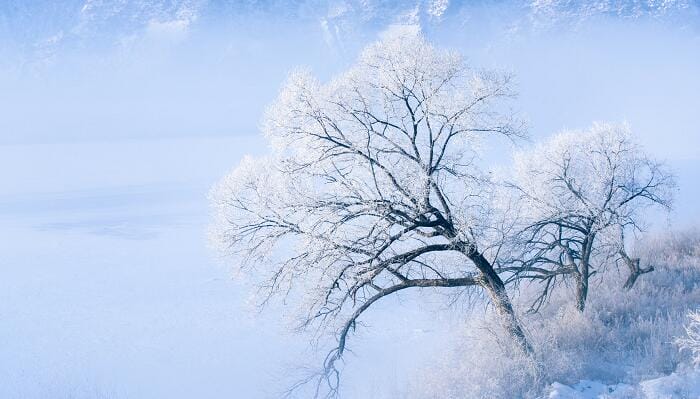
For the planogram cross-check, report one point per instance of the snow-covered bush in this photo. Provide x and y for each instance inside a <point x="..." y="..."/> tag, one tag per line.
<point x="691" y="341"/>
<point x="623" y="336"/>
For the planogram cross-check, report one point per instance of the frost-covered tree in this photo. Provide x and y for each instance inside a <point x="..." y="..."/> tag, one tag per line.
<point x="691" y="342"/>
<point x="580" y="192"/>
<point x="375" y="185"/>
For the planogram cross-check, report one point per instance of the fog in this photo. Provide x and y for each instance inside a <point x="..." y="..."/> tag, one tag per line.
<point x="116" y="118"/>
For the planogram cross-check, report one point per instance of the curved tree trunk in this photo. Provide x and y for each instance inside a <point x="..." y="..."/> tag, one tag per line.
<point x="499" y="297"/>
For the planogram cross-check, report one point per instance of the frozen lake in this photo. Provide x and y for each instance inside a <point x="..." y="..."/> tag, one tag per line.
<point x="108" y="289"/>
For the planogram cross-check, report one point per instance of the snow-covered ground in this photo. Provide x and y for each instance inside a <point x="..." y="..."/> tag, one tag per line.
<point x="681" y="385"/>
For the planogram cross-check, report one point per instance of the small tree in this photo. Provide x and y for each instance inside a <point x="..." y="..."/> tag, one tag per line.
<point x="580" y="191"/>
<point x="375" y="186"/>
<point x="633" y="264"/>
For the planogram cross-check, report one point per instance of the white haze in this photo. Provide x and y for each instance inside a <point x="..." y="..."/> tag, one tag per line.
<point x="108" y="147"/>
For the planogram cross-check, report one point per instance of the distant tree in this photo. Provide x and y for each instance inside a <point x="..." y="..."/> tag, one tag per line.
<point x="580" y="192"/>
<point x="375" y="185"/>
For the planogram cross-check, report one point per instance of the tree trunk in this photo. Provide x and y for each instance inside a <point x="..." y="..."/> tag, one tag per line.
<point x="581" y="287"/>
<point x="584" y="273"/>
<point x="635" y="270"/>
<point x="631" y="279"/>
<point x="499" y="297"/>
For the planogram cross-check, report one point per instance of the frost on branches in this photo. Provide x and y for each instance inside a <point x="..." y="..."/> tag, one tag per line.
<point x="691" y="342"/>
<point x="374" y="186"/>
<point x="580" y="192"/>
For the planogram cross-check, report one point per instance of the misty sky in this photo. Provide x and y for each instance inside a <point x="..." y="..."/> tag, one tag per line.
<point x="106" y="70"/>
